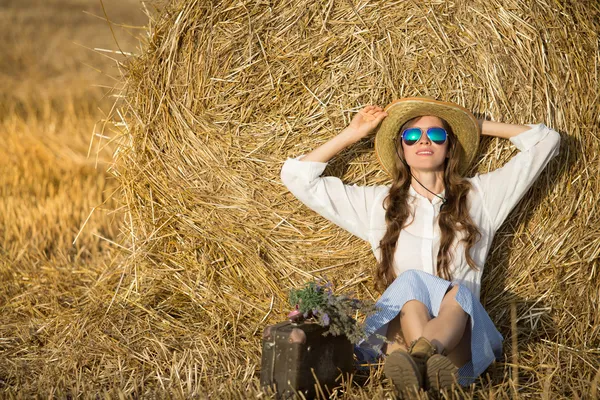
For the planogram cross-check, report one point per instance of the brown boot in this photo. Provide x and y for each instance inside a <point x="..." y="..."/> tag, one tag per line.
<point x="404" y="372"/>
<point x="441" y="372"/>
<point x="407" y="370"/>
<point x="421" y="350"/>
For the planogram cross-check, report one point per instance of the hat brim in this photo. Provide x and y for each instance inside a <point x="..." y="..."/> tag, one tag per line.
<point x="463" y="123"/>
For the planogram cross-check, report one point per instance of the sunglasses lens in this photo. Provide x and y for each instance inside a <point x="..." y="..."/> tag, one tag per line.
<point x="411" y="136"/>
<point x="437" y="135"/>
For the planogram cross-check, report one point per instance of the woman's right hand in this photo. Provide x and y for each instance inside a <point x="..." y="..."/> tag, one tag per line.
<point x="365" y="122"/>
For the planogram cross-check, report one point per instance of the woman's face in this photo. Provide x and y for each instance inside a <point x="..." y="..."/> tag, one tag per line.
<point x="425" y="155"/>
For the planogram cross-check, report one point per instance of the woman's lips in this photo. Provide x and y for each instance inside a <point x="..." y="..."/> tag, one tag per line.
<point x="424" y="153"/>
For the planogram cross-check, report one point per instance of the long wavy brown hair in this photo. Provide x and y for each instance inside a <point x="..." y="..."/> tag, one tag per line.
<point x="454" y="216"/>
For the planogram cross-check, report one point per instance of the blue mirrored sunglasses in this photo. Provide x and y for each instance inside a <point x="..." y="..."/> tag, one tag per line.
<point x="437" y="135"/>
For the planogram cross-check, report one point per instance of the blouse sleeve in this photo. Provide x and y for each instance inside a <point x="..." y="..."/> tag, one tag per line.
<point x="348" y="206"/>
<point x="504" y="187"/>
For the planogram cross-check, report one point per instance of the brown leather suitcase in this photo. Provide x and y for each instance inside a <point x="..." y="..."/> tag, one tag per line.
<point x="291" y="350"/>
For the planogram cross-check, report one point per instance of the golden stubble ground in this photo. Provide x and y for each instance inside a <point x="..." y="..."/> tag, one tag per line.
<point x="53" y="180"/>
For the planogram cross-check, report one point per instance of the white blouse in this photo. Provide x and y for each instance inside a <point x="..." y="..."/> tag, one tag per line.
<point x="359" y="209"/>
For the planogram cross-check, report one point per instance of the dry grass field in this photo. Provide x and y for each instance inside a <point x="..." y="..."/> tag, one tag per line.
<point x="155" y="279"/>
<point x="54" y="94"/>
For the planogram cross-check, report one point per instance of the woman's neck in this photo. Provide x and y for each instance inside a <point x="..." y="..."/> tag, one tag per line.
<point x="432" y="180"/>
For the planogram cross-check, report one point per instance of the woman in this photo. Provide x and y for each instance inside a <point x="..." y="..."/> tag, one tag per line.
<point x="430" y="231"/>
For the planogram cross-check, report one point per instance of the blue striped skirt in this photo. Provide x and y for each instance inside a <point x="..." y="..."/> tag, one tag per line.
<point x="486" y="341"/>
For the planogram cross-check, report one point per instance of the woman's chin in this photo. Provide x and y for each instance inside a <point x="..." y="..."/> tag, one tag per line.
<point x="427" y="167"/>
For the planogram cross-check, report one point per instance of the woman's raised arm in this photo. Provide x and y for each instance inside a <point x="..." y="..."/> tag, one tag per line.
<point x="348" y="206"/>
<point x="504" y="187"/>
<point x="363" y="124"/>
<point x="499" y="129"/>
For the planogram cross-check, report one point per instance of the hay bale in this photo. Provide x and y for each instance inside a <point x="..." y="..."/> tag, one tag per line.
<point x="223" y="93"/>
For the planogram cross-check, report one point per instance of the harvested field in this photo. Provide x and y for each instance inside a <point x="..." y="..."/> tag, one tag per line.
<point x="218" y="95"/>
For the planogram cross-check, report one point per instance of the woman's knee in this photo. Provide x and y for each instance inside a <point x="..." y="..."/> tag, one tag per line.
<point x="449" y="298"/>
<point x="452" y="291"/>
<point x="413" y="306"/>
<point x="414" y="309"/>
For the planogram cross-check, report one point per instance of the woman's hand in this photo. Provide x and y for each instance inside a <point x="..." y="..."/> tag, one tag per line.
<point x="365" y="122"/>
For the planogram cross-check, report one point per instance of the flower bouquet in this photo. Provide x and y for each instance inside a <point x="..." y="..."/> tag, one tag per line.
<point x="317" y="302"/>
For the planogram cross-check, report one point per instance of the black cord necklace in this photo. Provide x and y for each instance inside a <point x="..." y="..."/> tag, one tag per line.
<point x="444" y="201"/>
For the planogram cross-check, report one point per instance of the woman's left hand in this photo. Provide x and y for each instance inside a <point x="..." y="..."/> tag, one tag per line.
<point x="367" y="120"/>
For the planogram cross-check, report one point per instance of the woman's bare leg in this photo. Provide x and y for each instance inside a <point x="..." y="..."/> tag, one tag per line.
<point x="394" y="335"/>
<point x="447" y="330"/>
<point x="414" y="316"/>
<point x="462" y="352"/>
<point x="407" y="326"/>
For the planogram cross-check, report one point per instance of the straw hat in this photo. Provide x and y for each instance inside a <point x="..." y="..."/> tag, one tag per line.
<point x="462" y="121"/>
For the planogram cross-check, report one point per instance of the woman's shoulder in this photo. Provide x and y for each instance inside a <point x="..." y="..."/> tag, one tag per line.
<point x="378" y="193"/>
<point x="475" y="194"/>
